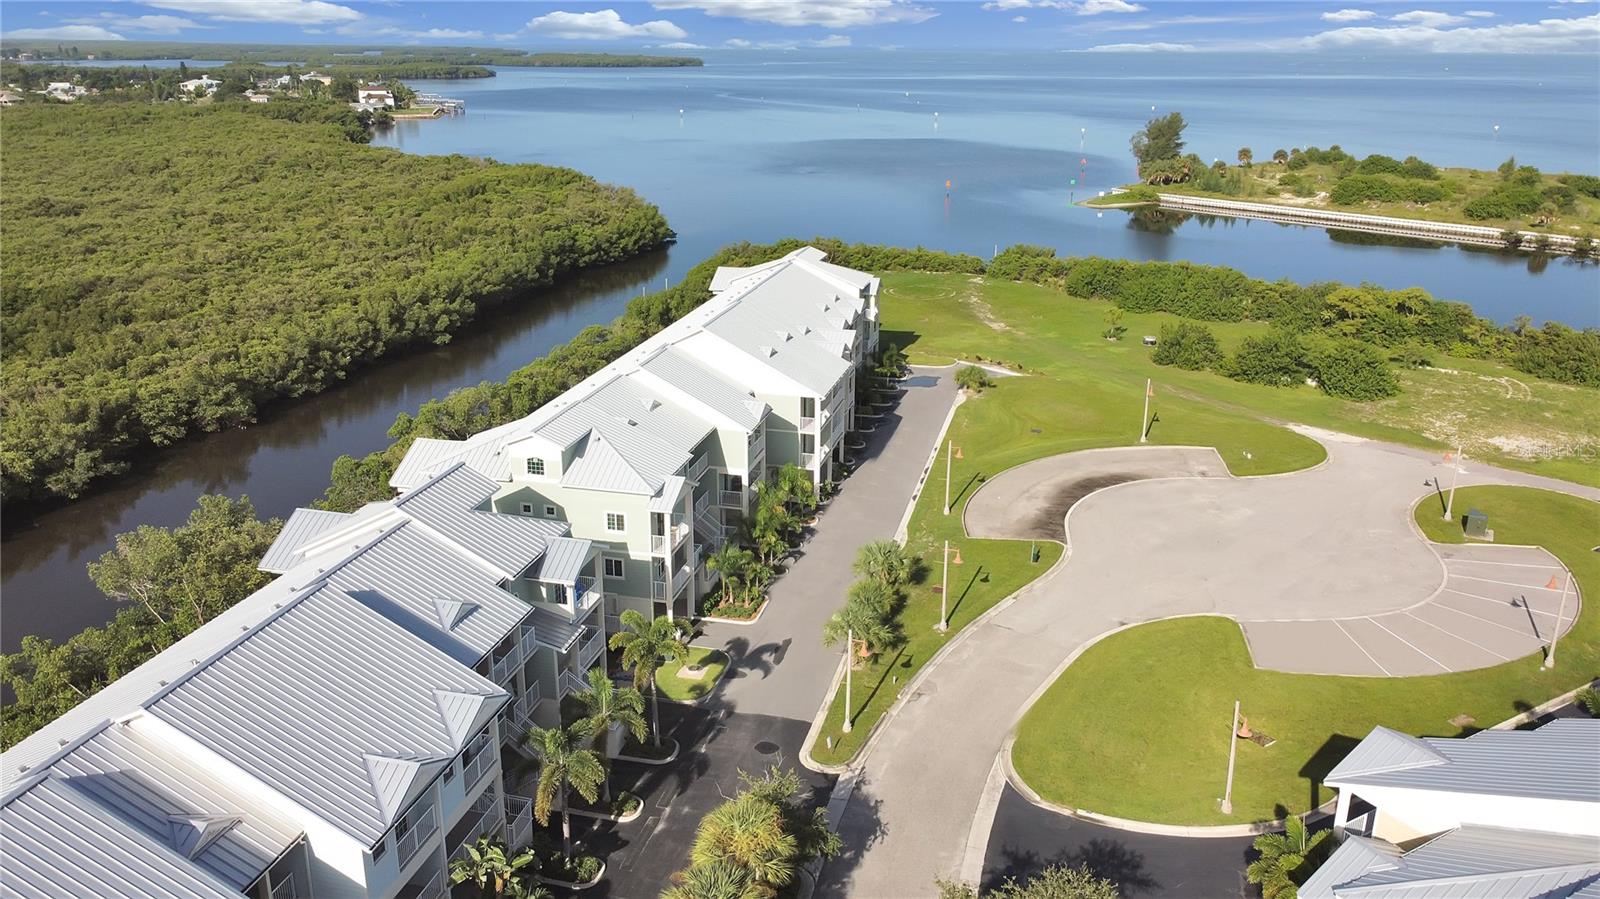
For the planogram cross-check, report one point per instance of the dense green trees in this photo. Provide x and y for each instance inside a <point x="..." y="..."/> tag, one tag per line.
<point x="169" y="269"/>
<point x="754" y="844"/>
<point x="1187" y="345"/>
<point x="1161" y="138"/>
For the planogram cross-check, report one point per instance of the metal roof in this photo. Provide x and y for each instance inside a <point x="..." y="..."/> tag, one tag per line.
<point x="421" y="460"/>
<point x="770" y="322"/>
<point x="651" y="436"/>
<point x="303" y="527"/>
<point x="450" y="505"/>
<point x="564" y="560"/>
<point x="1556" y="761"/>
<point x="668" y="498"/>
<point x="55" y="842"/>
<point x="704" y="385"/>
<point x="146" y="786"/>
<point x="554" y="629"/>
<point x="1471" y="862"/>
<point x="333" y="706"/>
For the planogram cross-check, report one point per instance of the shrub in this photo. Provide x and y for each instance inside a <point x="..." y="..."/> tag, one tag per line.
<point x="1140" y="193"/>
<point x="972" y="378"/>
<point x="1298" y="184"/>
<point x="1378" y="188"/>
<point x="1588" y="185"/>
<point x="1276" y="359"/>
<point x="1505" y="202"/>
<point x="1352" y="370"/>
<point x="1026" y="262"/>
<point x="1187" y="345"/>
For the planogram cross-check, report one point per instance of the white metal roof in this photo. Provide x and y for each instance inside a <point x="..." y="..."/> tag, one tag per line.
<point x="564" y="560"/>
<point x="304" y="526"/>
<point x="701" y="384"/>
<point x="453" y="504"/>
<point x="1556" y="761"/>
<point x="421" y="458"/>
<point x="1471" y="862"/>
<point x="333" y="706"/>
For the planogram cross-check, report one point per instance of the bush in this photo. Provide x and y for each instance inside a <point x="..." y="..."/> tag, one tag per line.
<point x="1382" y="189"/>
<point x="1559" y="353"/>
<point x="1352" y="370"/>
<point x="1588" y="185"/>
<point x="972" y="378"/>
<point x="1187" y="345"/>
<point x="1507" y="201"/>
<point x="1026" y="262"/>
<point x="1276" y="359"/>
<point x="1140" y="193"/>
<point x="1298" y="184"/>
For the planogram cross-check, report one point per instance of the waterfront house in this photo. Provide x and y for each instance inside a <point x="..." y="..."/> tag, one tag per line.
<point x="375" y="97"/>
<point x="316" y="76"/>
<point x="204" y="81"/>
<point x="1503" y="813"/>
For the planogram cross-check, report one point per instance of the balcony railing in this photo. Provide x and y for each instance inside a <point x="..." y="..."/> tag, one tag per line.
<point x="437" y="887"/>
<point x="528" y="641"/>
<point x="585" y="594"/>
<point x="590" y="650"/>
<point x="421" y="829"/>
<point x="732" y="499"/>
<point x="569" y="683"/>
<point x="482" y="760"/>
<point x="491" y="818"/>
<point x="698" y="467"/>
<point x="662" y="544"/>
<point x="518" y="719"/>
<point x="519" y="816"/>
<point x="702" y="503"/>
<point x="287" y="888"/>
<point x="807" y="422"/>
<point x="501" y="668"/>
<point x="808" y="460"/>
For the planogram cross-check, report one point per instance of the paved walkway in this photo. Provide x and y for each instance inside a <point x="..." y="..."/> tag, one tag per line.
<point x="1332" y="540"/>
<point x="780" y="671"/>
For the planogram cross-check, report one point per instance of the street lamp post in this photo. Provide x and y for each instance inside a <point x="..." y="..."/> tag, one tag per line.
<point x="1233" y="748"/>
<point x="1456" y="476"/>
<point x="1561" y="612"/>
<point x="949" y="448"/>
<point x="1144" y="417"/>
<point x="849" y="662"/>
<point x="944" y="590"/>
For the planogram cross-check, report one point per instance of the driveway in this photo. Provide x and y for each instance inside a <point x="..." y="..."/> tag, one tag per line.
<point x="779" y="670"/>
<point x="1332" y="541"/>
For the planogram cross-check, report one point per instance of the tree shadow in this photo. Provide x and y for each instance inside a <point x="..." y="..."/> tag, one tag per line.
<point x="1105" y="858"/>
<point x="861" y="828"/>
<point x="1329" y="754"/>
<point x="744" y="659"/>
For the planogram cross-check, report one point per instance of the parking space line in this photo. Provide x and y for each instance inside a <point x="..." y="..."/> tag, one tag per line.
<point x="1503" y="658"/>
<point x="1500" y="602"/>
<point x="1370" y="657"/>
<point x="1442" y="666"/>
<point x="1482" y="619"/>
<point x="1490" y="580"/>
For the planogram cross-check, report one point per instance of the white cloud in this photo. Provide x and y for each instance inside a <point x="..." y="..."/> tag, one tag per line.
<point x="681" y="45"/>
<point x="151" y="24"/>
<point x="601" y="25"/>
<point x="1545" y="36"/>
<point x="1348" y="15"/>
<point x="1428" y="18"/>
<point x="822" y="13"/>
<point x="1096" y="7"/>
<point x="1019" y="18"/>
<point x="1008" y="4"/>
<point x="1479" y="14"/>
<point x="832" y="40"/>
<point x="66" y="33"/>
<point x="1156" y="47"/>
<point x="738" y="43"/>
<point x="449" y="34"/>
<point x="293" y="12"/>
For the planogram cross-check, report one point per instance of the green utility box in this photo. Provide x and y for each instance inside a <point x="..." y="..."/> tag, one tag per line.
<point x="1476" y="524"/>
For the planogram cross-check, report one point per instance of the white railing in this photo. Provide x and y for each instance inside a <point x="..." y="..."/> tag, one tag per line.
<point x="807" y="422"/>
<point x="613" y="623"/>
<point x="518" y="719"/>
<point x="437" y="887"/>
<point x="482" y="761"/>
<point x="658" y="544"/>
<point x="732" y="498"/>
<point x="658" y="589"/>
<point x="406" y="847"/>
<point x="808" y="460"/>
<point x="590" y="650"/>
<point x="529" y="641"/>
<point x="702" y="503"/>
<point x="698" y="467"/>
<point x="585" y="593"/>
<point x="491" y="816"/>
<point x="287" y="888"/>
<point x="502" y="668"/>
<point x="519" y="814"/>
<point x="569" y="683"/>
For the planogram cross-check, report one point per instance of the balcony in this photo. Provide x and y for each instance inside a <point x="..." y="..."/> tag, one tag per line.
<point x="423" y="827"/>
<point x="698" y="467"/>
<point x="519" y="812"/>
<point x="517" y="719"/>
<point x="487" y="816"/>
<point x="502" y="667"/>
<point x="808" y="460"/>
<point x="287" y="888"/>
<point x="482" y="761"/>
<point x="590" y="649"/>
<point x="436" y="887"/>
<point x="731" y="499"/>
<point x="660" y="589"/>
<point x="664" y="544"/>
<point x="528" y="642"/>
<point x="585" y="593"/>
<point x="807" y="422"/>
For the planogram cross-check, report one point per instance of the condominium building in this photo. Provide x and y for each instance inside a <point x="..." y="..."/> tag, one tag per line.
<point x="340" y="732"/>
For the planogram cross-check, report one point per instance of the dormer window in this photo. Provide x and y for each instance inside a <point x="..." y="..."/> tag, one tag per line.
<point x="536" y="467"/>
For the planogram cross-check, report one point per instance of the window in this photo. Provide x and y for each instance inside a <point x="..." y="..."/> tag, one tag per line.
<point x="613" y="566"/>
<point x="450" y="771"/>
<point x="527" y="508"/>
<point x="549" y="511"/>
<point x="536" y="466"/>
<point x="381" y="849"/>
<point x="616" y="522"/>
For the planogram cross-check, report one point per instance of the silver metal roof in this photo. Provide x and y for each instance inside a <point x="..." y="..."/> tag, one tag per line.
<point x="146" y="786"/>
<point x="1471" y="862"/>
<point x="55" y="843"/>
<point x="333" y="706"/>
<point x="554" y="629"/>
<point x="564" y="560"/>
<point x="651" y="437"/>
<point x="422" y="460"/>
<point x="705" y="385"/>
<point x="453" y="504"/>
<point x="1556" y="761"/>
<point x="772" y="322"/>
<point x="303" y="526"/>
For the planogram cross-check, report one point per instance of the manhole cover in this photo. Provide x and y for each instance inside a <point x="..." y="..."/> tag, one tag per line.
<point x="766" y="747"/>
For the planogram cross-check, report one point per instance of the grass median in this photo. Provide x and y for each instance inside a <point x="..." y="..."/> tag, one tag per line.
<point x="1137" y="727"/>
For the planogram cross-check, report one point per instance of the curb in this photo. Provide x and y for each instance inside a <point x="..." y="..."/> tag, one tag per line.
<point x="715" y="685"/>
<point x="739" y="622"/>
<point x="640" y="760"/>
<point x="1544" y="708"/>
<point x="607" y="816"/>
<point x="569" y="885"/>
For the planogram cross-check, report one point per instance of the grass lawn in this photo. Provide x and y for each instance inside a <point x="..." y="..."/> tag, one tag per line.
<point x="1138" y="725"/>
<point x="1080" y="392"/>
<point x="683" y="689"/>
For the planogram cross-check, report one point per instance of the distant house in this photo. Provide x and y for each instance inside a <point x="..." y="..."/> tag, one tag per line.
<point x="254" y="97"/>
<point x="375" y="97"/>
<point x="204" y="81"/>
<point x="58" y="88"/>
<point x="317" y="77"/>
<point x="1504" y="813"/>
<point x="10" y="98"/>
<point x="284" y="81"/>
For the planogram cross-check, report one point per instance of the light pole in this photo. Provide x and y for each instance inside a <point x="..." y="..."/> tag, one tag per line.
<point x="1456" y="460"/>
<point x="849" y="662"/>
<point x="1145" y="416"/>
<point x="944" y="591"/>
<point x="1233" y="747"/>
<point x="1561" y="612"/>
<point x="949" y="448"/>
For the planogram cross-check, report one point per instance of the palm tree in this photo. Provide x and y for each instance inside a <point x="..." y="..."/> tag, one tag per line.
<point x="721" y="880"/>
<point x="794" y="488"/>
<point x="1245" y="156"/>
<point x="730" y="563"/>
<point x="565" y="763"/>
<point x="606" y="706"/>
<point x="488" y="865"/>
<point x="1280" y="156"/>
<point x="885" y="561"/>
<point x="646" y="646"/>
<point x="1286" y="859"/>
<point x="863" y="620"/>
<point x="747" y="832"/>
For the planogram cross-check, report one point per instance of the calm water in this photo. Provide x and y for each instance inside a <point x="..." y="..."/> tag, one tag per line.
<point x="846" y="144"/>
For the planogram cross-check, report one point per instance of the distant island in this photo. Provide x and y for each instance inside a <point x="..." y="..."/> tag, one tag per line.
<point x="1513" y="197"/>
<point x="391" y="61"/>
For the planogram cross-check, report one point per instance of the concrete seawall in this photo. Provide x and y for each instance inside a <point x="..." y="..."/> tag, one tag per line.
<point x="1372" y="224"/>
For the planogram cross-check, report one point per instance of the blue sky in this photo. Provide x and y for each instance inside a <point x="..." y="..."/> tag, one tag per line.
<point x="1534" y="26"/>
